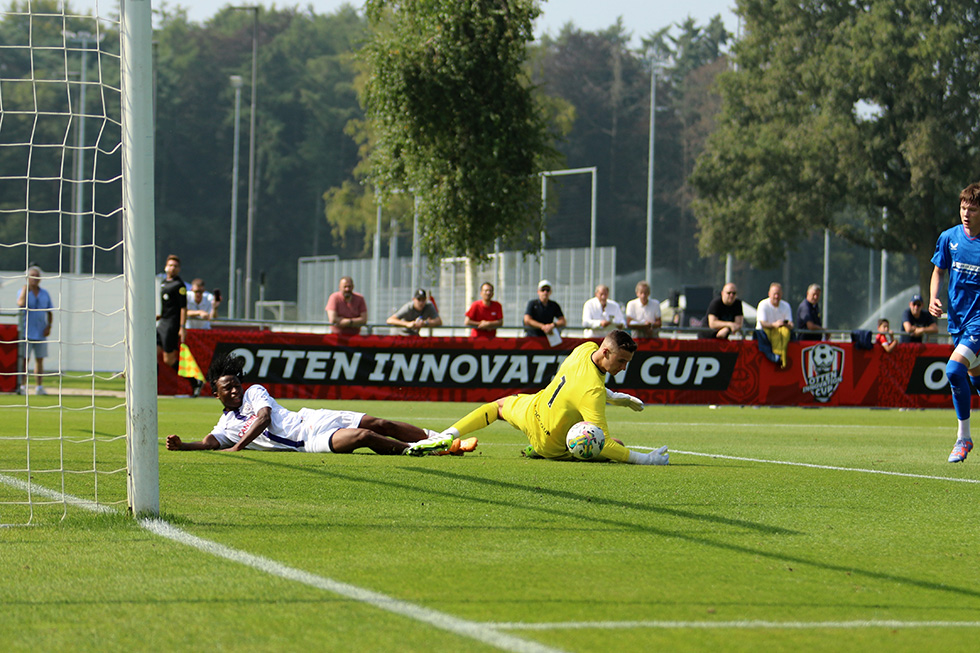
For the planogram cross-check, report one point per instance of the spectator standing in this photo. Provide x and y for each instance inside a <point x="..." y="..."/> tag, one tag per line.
<point x="542" y="317"/>
<point x="808" y="316"/>
<point x="643" y="313"/>
<point x="202" y="306"/>
<point x="724" y="316"/>
<point x="601" y="315"/>
<point x="917" y="322"/>
<point x="885" y="337"/>
<point x="484" y="315"/>
<point x="774" y="326"/>
<point x="417" y="313"/>
<point x="172" y="320"/>
<point x="346" y="310"/>
<point x="37" y="306"/>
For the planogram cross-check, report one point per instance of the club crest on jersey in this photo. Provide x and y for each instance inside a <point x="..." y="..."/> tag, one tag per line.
<point x="954" y="246"/>
<point x="823" y="370"/>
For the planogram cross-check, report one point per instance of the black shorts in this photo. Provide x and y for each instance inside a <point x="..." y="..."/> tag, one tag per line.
<point x="168" y="335"/>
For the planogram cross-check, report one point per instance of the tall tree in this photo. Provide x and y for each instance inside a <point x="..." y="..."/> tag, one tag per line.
<point x="833" y="107"/>
<point x="608" y="84"/>
<point x="306" y="97"/>
<point x="40" y="113"/>
<point x="455" y="120"/>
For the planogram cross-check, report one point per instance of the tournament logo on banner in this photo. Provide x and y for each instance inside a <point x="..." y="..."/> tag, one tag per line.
<point x="823" y="370"/>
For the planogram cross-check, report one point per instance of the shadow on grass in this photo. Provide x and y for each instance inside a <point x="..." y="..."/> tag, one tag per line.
<point x="445" y="476"/>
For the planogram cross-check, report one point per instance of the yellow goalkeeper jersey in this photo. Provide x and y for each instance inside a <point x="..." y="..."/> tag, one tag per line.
<point x="576" y="394"/>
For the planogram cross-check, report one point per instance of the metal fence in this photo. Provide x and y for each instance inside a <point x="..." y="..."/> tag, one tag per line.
<point x="387" y="284"/>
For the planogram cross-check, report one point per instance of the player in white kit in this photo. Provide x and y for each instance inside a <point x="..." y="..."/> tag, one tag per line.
<point x="252" y="419"/>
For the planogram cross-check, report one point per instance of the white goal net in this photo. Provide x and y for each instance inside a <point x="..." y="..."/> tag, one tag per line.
<point x="76" y="250"/>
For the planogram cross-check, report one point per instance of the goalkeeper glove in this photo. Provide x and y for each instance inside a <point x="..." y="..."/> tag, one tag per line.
<point x="623" y="399"/>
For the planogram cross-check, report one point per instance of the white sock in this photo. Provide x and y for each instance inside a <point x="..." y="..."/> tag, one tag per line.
<point x="450" y="432"/>
<point x="963" y="430"/>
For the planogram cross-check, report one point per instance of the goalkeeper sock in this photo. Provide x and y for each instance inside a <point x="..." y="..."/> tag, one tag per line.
<point x="480" y="418"/>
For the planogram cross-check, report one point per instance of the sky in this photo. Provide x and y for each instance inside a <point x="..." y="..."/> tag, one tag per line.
<point x="640" y="17"/>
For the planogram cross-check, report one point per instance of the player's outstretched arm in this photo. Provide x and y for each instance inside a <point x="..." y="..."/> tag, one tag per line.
<point x="174" y="443"/>
<point x="623" y="399"/>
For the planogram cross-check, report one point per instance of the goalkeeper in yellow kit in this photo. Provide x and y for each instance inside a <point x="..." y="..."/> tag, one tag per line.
<point x="577" y="393"/>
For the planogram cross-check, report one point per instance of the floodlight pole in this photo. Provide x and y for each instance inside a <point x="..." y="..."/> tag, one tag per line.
<point x="648" y="272"/>
<point x="416" y="257"/>
<point x="376" y="266"/>
<point x="883" y="287"/>
<point x="826" y="274"/>
<point x="250" y="219"/>
<point x="236" y="83"/>
<point x="544" y="215"/>
<point x="83" y="38"/>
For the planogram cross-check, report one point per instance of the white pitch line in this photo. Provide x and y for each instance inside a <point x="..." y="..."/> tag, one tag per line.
<point x="836" y="427"/>
<point x="54" y="495"/>
<point x="744" y="625"/>
<point x="815" y="466"/>
<point x="463" y="627"/>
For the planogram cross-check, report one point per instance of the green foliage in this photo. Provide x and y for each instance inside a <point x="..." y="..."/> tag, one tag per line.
<point x="794" y="149"/>
<point x="608" y="86"/>
<point x="455" y="120"/>
<point x="37" y="212"/>
<point x="305" y="98"/>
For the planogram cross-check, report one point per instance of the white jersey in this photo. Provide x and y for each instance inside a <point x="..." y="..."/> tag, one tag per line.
<point x="285" y="432"/>
<point x="308" y="430"/>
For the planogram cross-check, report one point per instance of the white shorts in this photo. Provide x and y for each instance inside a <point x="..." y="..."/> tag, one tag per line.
<point x="320" y="425"/>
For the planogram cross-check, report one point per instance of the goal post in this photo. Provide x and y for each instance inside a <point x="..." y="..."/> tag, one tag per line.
<point x="77" y="210"/>
<point x="136" y="37"/>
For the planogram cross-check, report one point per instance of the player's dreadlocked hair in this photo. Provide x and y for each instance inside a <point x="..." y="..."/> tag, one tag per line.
<point x="622" y="340"/>
<point x="224" y="365"/>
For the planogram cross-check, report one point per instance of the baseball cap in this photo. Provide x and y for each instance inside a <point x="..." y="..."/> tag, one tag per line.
<point x="421" y="294"/>
<point x="916" y="299"/>
<point x="544" y="283"/>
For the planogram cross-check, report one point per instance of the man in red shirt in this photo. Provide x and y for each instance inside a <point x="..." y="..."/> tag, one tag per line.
<point x="346" y="309"/>
<point x="485" y="315"/>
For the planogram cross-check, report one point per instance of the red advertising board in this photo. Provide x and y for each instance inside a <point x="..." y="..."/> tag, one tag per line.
<point x="293" y="365"/>
<point x="8" y="357"/>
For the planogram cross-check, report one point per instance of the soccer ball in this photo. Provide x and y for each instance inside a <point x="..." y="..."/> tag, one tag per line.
<point x="585" y="441"/>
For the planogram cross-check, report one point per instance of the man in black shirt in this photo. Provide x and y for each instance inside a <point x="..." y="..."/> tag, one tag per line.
<point x="724" y="315"/>
<point x="542" y="316"/>
<point x="173" y="313"/>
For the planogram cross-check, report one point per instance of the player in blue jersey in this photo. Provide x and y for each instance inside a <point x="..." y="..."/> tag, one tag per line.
<point x="958" y="251"/>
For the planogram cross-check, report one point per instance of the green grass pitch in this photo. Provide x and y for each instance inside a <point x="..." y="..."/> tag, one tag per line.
<point x="870" y="543"/>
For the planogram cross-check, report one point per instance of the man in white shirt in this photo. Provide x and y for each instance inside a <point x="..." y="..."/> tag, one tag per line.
<point x="202" y="306"/>
<point x="601" y="315"/>
<point x="643" y="313"/>
<point x="774" y="325"/>
<point x="252" y="419"/>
